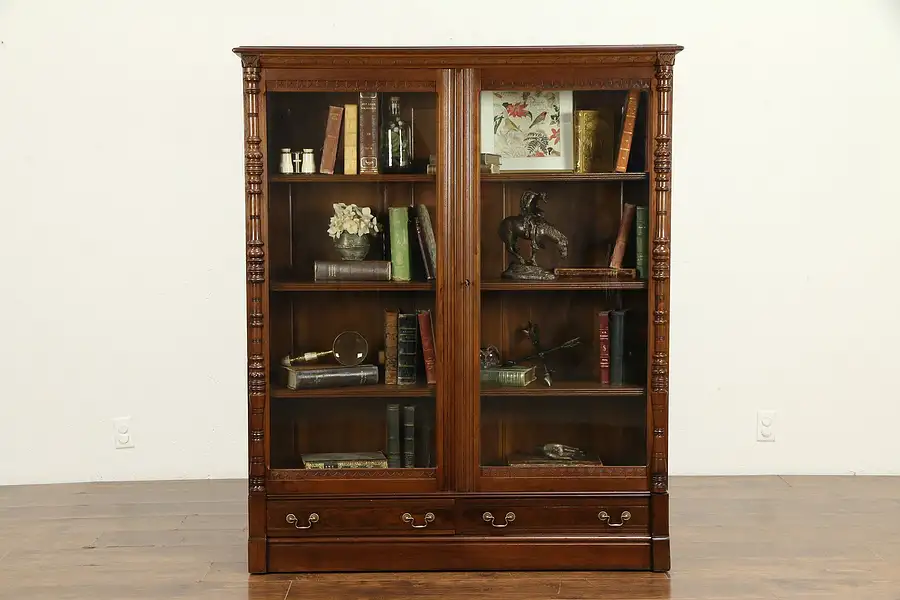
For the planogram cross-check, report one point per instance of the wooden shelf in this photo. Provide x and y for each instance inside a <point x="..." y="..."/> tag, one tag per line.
<point x="564" y="388"/>
<point x="580" y="283"/>
<point x="351" y="286"/>
<point x="362" y="178"/>
<point x="553" y="176"/>
<point x="380" y="390"/>
<point x="301" y="474"/>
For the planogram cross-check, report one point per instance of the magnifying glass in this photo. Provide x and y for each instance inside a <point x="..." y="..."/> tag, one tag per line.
<point x="349" y="349"/>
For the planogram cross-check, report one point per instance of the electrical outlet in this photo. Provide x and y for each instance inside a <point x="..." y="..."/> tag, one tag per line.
<point x="123" y="438"/>
<point x="765" y="426"/>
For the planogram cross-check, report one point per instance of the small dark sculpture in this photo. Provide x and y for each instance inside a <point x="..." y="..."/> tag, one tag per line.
<point x="530" y="224"/>
<point x="489" y="357"/>
<point x="532" y="332"/>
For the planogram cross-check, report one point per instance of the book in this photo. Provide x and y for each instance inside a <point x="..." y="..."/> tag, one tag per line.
<point x="423" y="249"/>
<point x="595" y="272"/>
<point x="351" y="138"/>
<point x="398" y="218"/>
<point x="344" y="460"/>
<point x="390" y="346"/>
<point x="603" y="346"/>
<point x="368" y="132"/>
<point x="509" y="376"/>
<point x="628" y="121"/>
<point x="428" y="231"/>
<point x="332" y="139"/>
<point x="393" y="436"/>
<point x="327" y="376"/>
<point x="409" y="437"/>
<point x="642" y="226"/>
<point x="407" y="334"/>
<point x="615" y="262"/>
<point x="426" y="333"/>
<point x="352" y="270"/>
<point x="617" y="346"/>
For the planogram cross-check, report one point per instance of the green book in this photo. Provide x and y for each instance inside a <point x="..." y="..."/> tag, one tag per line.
<point x="399" y="222"/>
<point x="642" y="224"/>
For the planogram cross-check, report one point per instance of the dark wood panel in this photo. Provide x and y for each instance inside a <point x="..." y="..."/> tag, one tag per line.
<point x="512" y="480"/>
<point x="457" y="553"/>
<point x="387" y="484"/>
<point x="553" y="515"/>
<point x="360" y="517"/>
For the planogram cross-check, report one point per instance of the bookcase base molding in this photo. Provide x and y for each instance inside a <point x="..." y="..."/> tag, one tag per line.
<point x="474" y="532"/>
<point x="458" y="274"/>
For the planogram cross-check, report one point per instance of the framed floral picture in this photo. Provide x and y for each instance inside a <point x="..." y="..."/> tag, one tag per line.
<point x="531" y="131"/>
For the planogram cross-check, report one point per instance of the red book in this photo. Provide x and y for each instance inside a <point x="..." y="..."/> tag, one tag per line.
<point x="426" y="331"/>
<point x="603" y="337"/>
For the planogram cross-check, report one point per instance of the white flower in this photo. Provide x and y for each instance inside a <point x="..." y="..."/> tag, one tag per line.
<point x="351" y="219"/>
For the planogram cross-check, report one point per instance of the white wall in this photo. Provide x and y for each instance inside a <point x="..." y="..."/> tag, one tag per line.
<point x="122" y="212"/>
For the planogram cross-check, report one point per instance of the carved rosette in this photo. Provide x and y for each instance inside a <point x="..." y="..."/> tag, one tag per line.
<point x="256" y="273"/>
<point x="660" y="265"/>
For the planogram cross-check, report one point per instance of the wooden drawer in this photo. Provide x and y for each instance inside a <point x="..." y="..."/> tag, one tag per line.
<point x="512" y="516"/>
<point x="311" y="518"/>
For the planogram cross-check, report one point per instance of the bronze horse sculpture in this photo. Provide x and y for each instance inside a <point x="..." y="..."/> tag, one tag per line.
<point x="531" y="225"/>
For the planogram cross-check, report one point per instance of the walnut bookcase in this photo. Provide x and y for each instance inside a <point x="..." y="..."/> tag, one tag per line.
<point x="463" y="505"/>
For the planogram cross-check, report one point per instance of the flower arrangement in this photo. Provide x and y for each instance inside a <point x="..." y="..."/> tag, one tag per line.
<point x="351" y="219"/>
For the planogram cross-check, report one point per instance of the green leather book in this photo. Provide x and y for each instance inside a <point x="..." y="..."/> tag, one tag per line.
<point x="400" y="259"/>
<point x="642" y="227"/>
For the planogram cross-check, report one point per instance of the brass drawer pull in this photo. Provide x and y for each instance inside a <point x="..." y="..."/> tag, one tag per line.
<point x="293" y="520"/>
<point x="408" y="518"/>
<point x="604" y="516"/>
<point x="509" y="518"/>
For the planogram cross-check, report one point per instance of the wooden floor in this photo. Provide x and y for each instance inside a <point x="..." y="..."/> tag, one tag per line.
<point x="762" y="537"/>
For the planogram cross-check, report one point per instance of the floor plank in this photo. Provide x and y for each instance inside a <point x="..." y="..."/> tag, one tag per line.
<point x="732" y="538"/>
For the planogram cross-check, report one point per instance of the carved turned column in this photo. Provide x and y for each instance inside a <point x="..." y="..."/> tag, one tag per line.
<point x="661" y="103"/>
<point x="256" y="293"/>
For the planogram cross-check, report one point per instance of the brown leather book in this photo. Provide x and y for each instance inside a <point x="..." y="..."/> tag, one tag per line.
<point x="332" y="139"/>
<point x="622" y="238"/>
<point x="603" y="346"/>
<point x="426" y="331"/>
<point x="390" y="346"/>
<point x="631" y="106"/>
<point x="368" y="132"/>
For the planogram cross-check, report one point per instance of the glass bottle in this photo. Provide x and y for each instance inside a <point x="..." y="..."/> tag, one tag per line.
<point x="396" y="142"/>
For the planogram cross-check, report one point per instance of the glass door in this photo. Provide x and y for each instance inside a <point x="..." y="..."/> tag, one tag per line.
<point x="564" y="199"/>
<point x="352" y="203"/>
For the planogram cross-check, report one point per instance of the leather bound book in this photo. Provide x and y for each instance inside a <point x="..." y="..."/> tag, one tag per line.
<point x="351" y="124"/>
<point x="617" y="346"/>
<point x="407" y="348"/>
<point x="352" y="270"/>
<point x="426" y="332"/>
<point x="409" y="437"/>
<point x="423" y="249"/>
<point x="368" y="132"/>
<point x="428" y="230"/>
<point x="309" y="377"/>
<point x="631" y="106"/>
<point x="390" y="346"/>
<point x="642" y="225"/>
<point x="332" y="139"/>
<point x="398" y="217"/>
<point x="603" y="346"/>
<point x="393" y="436"/>
<point x="622" y="238"/>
